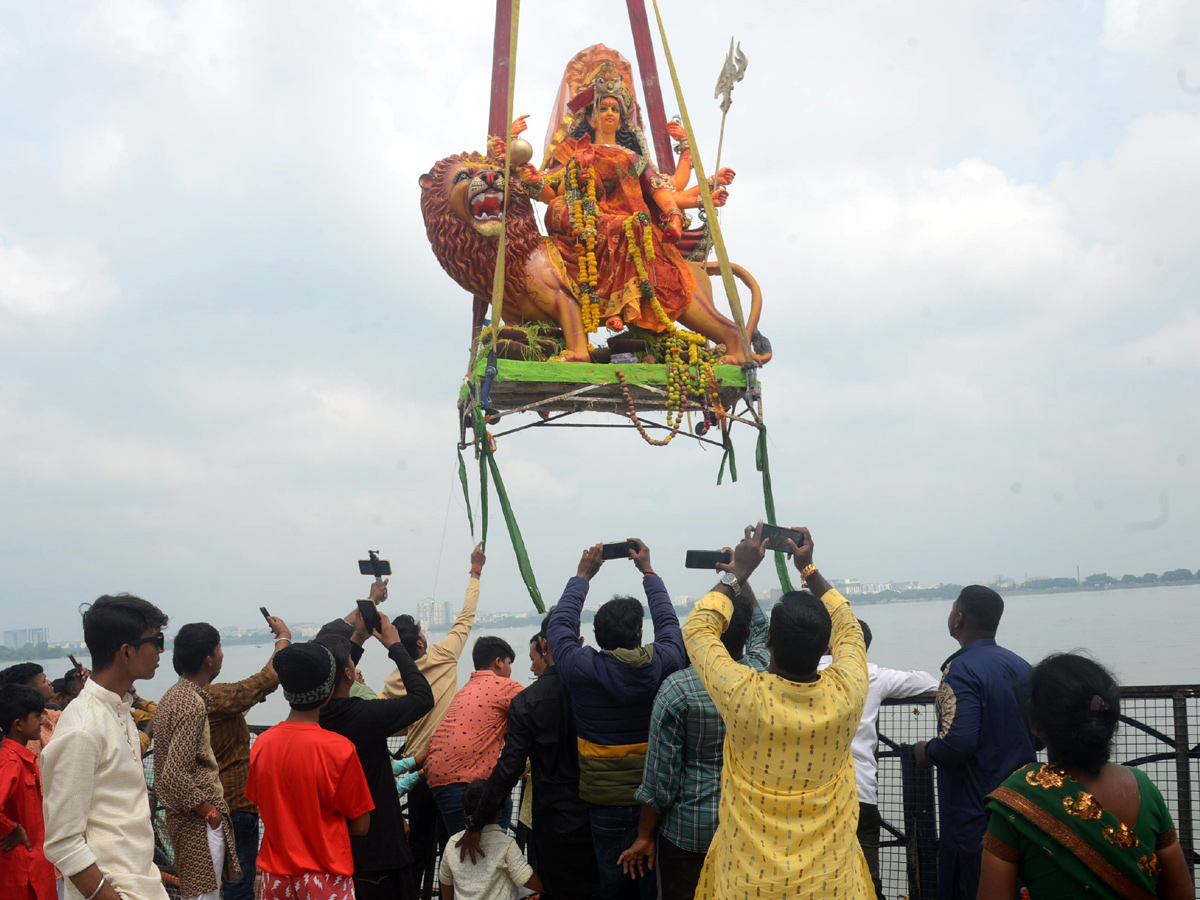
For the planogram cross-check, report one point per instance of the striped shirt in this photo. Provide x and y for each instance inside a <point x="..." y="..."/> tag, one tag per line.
<point x="682" y="777"/>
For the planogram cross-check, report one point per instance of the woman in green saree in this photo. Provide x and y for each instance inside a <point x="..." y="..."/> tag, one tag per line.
<point x="1080" y="826"/>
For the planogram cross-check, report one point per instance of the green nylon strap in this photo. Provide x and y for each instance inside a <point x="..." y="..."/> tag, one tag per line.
<point x="764" y="466"/>
<point x="728" y="455"/>
<point x="487" y="460"/>
<point x="482" y="443"/>
<point x="462" y="479"/>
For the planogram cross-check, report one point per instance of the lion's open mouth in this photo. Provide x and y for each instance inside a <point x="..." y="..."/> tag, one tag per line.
<point x="487" y="205"/>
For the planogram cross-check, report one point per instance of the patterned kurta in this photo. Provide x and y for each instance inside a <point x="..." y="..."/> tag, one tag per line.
<point x="185" y="775"/>
<point x="789" y="808"/>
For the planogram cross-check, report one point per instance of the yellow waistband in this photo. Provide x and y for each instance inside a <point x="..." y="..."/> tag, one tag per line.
<point x="611" y="751"/>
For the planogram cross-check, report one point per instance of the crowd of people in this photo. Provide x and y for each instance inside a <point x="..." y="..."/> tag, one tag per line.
<point x="730" y="758"/>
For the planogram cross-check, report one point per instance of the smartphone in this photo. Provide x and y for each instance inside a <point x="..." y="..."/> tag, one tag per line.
<point x="777" y="537"/>
<point x="618" y="551"/>
<point x="266" y="615"/>
<point x="706" y="559"/>
<point x="75" y="663"/>
<point x="374" y="566"/>
<point x="370" y="616"/>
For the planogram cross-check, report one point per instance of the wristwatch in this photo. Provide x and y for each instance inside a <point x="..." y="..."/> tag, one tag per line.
<point x="730" y="581"/>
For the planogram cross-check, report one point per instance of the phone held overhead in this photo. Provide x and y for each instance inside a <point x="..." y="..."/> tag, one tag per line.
<point x="777" y="537"/>
<point x="379" y="568"/>
<point x="706" y="559"/>
<point x="619" y="550"/>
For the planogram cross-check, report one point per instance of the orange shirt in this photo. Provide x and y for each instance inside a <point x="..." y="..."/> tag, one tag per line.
<point x="307" y="782"/>
<point x="467" y="743"/>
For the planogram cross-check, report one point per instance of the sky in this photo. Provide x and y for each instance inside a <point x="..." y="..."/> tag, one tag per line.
<point x="229" y="360"/>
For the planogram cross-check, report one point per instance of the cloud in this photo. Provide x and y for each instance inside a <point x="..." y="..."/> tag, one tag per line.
<point x="1176" y="346"/>
<point x="52" y="280"/>
<point x="1147" y="26"/>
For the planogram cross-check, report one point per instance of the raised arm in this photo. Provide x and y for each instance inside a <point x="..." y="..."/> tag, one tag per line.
<point x="846" y="641"/>
<point x="391" y="715"/>
<point x="562" y="631"/>
<point x="668" y="638"/>
<point x="456" y="640"/>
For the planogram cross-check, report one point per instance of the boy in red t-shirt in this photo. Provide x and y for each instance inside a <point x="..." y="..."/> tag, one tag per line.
<point x="307" y="782"/>
<point x="25" y="873"/>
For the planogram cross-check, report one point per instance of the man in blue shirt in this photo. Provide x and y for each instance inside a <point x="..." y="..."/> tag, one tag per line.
<point x="983" y="735"/>
<point x="612" y="694"/>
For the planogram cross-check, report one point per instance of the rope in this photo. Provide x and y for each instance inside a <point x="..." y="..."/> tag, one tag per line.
<point x="498" y="277"/>
<point x="714" y="226"/>
<point x="763" y="465"/>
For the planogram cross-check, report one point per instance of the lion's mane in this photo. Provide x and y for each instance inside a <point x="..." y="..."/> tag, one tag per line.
<point x="466" y="255"/>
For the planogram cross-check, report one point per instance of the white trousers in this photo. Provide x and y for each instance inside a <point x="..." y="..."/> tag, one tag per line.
<point x="216" y="847"/>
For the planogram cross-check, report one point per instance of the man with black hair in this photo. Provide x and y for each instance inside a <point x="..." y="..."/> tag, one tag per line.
<point x="382" y="859"/>
<point x="229" y="735"/>
<point x="983" y="735"/>
<point x="788" y="806"/>
<point x="310" y="787"/>
<point x="541" y="730"/>
<point x="681" y="785"/>
<point x="537" y="659"/>
<point x="885" y="684"/>
<point x="98" y="830"/>
<point x="467" y="743"/>
<point x="25" y="873"/>
<point x="186" y="777"/>
<point x="34" y="676"/>
<point x="439" y="664"/>
<point x="612" y="694"/>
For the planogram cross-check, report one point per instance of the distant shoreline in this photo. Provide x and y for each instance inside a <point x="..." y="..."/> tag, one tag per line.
<point x="1017" y="592"/>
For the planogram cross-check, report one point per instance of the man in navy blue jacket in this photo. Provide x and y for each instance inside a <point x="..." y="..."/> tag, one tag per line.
<point x="983" y="735"/>
<point x="612" y="694"/>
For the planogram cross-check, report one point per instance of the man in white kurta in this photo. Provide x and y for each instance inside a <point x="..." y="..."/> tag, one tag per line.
<point x="96" y="804"/>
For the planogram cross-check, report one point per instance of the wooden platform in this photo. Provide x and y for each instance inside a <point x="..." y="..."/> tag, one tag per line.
<point x="588" y="387"/>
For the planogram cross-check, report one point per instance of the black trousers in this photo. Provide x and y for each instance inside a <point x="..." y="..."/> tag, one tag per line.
<point x="868" y="838"/>
<point x="423" y="820"/>
<point x="396" y="884"/>
<point x="678" y="871"/>
<point x="566" y="862"/>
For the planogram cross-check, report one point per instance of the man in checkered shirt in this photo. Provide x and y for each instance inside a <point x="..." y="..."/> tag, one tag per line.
<point x="681" y="783"/>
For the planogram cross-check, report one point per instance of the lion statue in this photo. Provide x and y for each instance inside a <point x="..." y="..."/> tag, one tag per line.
<point x="462" y="200"/>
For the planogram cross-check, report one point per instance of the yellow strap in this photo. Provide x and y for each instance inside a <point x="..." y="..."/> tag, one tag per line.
<point x="706" y="195"/>
<point x="498" y="277"/>
<point x="610" y="751"/>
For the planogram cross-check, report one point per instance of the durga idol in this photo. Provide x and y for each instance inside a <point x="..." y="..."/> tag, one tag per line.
<point x="613" y="219"/>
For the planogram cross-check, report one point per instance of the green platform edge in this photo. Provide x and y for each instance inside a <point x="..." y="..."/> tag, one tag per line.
<point x="596" y="373"/>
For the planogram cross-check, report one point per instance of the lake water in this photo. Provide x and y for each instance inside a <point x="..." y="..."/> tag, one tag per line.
<point x="1145" y="635"/>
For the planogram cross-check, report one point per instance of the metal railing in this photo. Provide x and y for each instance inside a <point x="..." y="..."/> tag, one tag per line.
<point x="1158" y="726"/>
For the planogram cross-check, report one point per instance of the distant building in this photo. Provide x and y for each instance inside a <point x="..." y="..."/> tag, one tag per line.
<point x="434" y="613"/>
<point x="18" y="638"/>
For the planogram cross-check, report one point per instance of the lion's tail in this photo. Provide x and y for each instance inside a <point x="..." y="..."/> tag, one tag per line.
<point x="759" y="345"/>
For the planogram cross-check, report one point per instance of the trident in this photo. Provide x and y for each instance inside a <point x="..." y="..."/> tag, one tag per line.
<point x="731" y="73"/>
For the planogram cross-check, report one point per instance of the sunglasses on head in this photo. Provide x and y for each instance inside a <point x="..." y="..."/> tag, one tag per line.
<point x="160" y="641"/>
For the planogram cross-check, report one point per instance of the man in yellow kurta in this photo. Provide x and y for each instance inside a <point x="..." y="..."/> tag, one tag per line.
<point x="789" y="808"/>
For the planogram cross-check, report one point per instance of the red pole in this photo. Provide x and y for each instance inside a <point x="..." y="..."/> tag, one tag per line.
<point x="499" y="107"/>
<point x="497" y="113"/>
<point x="651" y="88"/>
